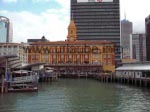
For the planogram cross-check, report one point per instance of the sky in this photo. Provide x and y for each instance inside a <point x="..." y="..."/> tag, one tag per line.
<point x="35" y="18"/>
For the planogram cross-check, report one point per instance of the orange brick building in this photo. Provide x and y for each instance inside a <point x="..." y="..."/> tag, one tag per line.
<point x="73" y="51"/>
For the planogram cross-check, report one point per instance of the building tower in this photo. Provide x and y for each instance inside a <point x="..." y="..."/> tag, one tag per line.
<point x="138" y="47"/>
<point x="147" y="29"/>
<point x="126" y="31"/>
<point x="98" y="20"/>
<point x="72" y="31"/>
<point x="5" y="30"/>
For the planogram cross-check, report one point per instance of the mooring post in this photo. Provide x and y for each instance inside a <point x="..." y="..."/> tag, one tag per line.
<point x="2" y="87"/>
<point x="135" y="81"/>
<point x="132" y="81"/>
<point x="128" y="80"/>
<point x="145" y="80"/>
<point x="111" y="78"/>
<point x="140" y="82"/>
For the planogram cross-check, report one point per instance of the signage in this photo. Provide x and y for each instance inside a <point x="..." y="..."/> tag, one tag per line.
<point x="94" y="0"/>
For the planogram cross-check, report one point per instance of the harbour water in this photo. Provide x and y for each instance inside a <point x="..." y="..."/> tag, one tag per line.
<point x="78" y="95"/>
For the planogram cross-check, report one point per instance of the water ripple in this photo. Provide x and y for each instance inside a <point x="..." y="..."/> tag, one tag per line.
<point x="70" y="95"/>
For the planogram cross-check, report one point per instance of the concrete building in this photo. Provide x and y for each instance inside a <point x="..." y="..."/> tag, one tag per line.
<point x="98" y="20"/>
<point x="16" y="50"/>
<point x="6" y="30"/>
<point x="138" y="47"/>
<point x="147" y="29"/>
<point x="126" y="30"/>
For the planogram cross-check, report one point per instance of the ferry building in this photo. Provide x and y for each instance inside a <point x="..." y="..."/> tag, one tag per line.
<point x="73" y="52"/>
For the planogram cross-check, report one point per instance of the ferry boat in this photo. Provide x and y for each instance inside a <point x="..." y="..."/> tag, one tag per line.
<point x="23" y="81"/>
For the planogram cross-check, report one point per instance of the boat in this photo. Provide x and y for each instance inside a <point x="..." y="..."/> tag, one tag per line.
<point x="23" y="81"/>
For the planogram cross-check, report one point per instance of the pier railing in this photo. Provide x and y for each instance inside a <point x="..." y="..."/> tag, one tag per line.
<point x="22" y="79"/>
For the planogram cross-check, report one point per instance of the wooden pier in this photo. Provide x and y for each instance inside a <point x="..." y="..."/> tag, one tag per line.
<point x="76" y="70"/>
<point x="96" y="72"/>
<point x="112" y="78"/>
<point x="136" y="78"/>
<point x="48" y="77"/>
<point x="3" y="85"/>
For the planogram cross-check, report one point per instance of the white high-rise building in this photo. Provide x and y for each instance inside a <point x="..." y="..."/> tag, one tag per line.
<point x="6" y="30"/>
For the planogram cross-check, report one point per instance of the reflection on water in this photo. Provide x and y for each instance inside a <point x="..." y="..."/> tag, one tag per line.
<point x="78" y="95"/>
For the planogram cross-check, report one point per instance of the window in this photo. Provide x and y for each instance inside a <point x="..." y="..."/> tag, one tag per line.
<point x="71" y="31"/>
<point x="87" y="50"/>
<point x="70" y="56"/>
<point x="62" y="50"/>
<point x="86" y="56"/>
<point x="54" y="56"/>
<point x="45" y="58"/>
<point x="95" y="49"/>
<point x="54" y="50"/>
<point x="62" y="56"/>
<point x="109" y="56"/>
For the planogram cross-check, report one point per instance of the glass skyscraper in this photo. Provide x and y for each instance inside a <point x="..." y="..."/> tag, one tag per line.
<point x="98" y="20"/>
<point x="5" y="30"/>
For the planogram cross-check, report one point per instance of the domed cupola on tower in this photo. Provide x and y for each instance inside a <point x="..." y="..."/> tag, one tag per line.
<point x="72" y="31"/>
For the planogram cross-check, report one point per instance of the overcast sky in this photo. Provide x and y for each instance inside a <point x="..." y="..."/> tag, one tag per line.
<point x="35" y="18"/>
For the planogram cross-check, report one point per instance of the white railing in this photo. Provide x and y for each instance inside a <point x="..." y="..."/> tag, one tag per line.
<point x="24" y="79"/>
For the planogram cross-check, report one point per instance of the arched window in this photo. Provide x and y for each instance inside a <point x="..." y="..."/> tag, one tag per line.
<point x="71" y="31"/>
<point x="78" y="56"/>
<point x="54" y="50"/>
<point x="70" y="56"/>
<point x="95" y="49"/>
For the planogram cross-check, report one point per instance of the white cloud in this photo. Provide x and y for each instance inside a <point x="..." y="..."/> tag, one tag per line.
<point x="136" y="12"/>
<point x="28" y="25"/>
<point x="36" y="1"/>
<point x="53" y="23"/>
<point x="9" y="1"/>
<point x="64" y="3"/>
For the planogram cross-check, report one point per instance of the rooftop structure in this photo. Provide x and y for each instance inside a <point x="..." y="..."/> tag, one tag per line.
<point x="43" y="39"/>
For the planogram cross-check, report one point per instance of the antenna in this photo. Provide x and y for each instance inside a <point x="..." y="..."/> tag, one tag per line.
<point x="124" y="14"/>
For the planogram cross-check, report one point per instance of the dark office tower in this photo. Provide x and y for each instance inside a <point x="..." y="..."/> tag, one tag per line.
<point x="147" y="26"/>
<point x="98" y="20"/>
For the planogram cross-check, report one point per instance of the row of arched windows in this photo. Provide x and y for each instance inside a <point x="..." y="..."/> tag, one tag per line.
<point x="72" y="49"/>
<point x="108" y="49"/>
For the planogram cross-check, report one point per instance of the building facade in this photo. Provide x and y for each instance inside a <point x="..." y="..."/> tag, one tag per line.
<point x="6" y="30"/>
<point x="98" y="20"/>
<point x="73" y="51"/>
<point x="147" y="30"/>
<point x="14" y="49"/>
<point x="126" y="30"/>
<point x="138" y="47"/>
